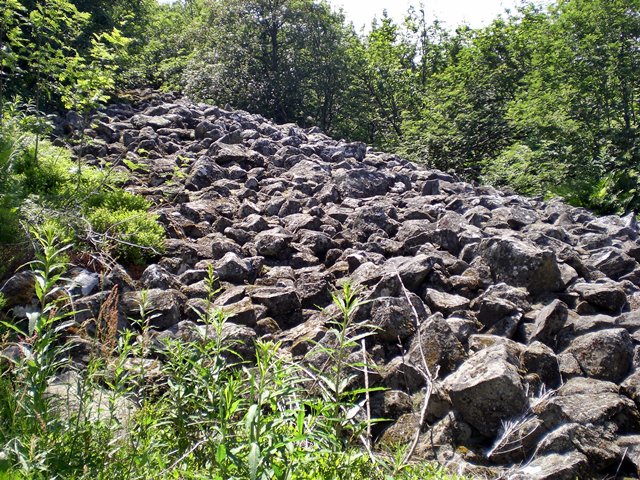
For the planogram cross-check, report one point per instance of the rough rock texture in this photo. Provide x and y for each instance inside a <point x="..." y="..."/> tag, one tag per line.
<point x="526" y="309"/>
<point x="487" y="390"/>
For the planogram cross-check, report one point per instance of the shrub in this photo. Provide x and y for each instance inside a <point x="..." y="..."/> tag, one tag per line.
<point x="131" y="235"/>
<point x="527" y="171"/>
<point x="37" y="177"/>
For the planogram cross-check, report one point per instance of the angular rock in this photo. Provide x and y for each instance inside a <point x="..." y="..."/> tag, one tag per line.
<point x="390" y="404"/>
<point x="412" y="270"/>
<point x="613" y="262"/>
<point x="154" y="276"/>
<point x="401" y="432"/>
<point x="540" y="360"/>
<point x="232" y="268"/>
<point x="163" y="307"/>
<point x="631" y="387"/>
<point x="362" y="183"/>
<point x="401" y="375"/>
<point x="438" y="344"/>
<point x="279" y="301"/>
<point x="273" y="243"/>
<point x="204" y="172"/>
<point x="606" y="296"/>
<point x="445" y="302"/>
<point x="521" y="264"/>
<point x="549" y="322"/>
<point x="242" y="312"/>
<point x="554" y="467"/>
<point x="394" y="318"/>
<point x="19" y="289"/>
<point x="599" y="448"/>
<point x="605" y="354"/>
<point x="589" y="401"/>
<point x="487" y="390"/>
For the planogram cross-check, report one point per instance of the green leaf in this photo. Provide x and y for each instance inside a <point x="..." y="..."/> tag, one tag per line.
<point x="250" y="421"/>
<point x="253" y="460"/>
<point x="221" y="453"/>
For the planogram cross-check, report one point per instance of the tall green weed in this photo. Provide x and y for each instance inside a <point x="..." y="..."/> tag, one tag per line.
<point x="209" y="414"/>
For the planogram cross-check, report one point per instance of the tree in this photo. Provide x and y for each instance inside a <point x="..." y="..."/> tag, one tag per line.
<point x="386" y="74"/>
<point x="41" y="61"/>
<point x="281" y="58"/>
<point x="577" y="106"/>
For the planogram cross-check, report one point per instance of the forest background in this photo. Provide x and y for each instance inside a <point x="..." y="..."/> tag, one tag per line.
<point x="544" y="100"/>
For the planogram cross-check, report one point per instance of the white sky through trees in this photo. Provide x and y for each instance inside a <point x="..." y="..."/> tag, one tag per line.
<point x="475" y="13"/>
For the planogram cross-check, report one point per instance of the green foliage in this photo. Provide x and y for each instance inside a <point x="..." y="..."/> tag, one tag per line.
<point x="521" y="168"/>
<point x="543" y="90"/>
<point x="132" y="235"/>
<point x="37" y="177"/>
<point x="86" y="83"/>
<point x="212" y="415"/>
<point x="56" y="55"/>
<point x="28" y="419"/>
<point x="540" y="101"/>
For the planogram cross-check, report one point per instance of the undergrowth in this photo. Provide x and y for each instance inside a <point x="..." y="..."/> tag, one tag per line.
<point x="41" y="182"/>
<point x="143" y="406"/>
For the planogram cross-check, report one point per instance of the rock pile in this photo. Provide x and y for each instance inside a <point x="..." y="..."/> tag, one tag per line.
<point x="528" y="310"/>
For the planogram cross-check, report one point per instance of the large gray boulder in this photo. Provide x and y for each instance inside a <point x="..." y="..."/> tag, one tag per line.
<point x="163" y="308"/>
<point x="605" y="296"/>
<point x="394" y="317"/>
<point x="521" y="264"/>
<point x="436" y="341"/>
<point x="605" y="354"/>
<point x="487" y="390"/>
<point x="362" y="182"/>
<point x="589" y="401"/>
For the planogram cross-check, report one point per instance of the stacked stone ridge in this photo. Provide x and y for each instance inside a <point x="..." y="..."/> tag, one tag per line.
<point x="527" y="310"/>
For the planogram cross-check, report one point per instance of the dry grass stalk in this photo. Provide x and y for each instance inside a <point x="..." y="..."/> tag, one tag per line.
<point x="107" y="324"/>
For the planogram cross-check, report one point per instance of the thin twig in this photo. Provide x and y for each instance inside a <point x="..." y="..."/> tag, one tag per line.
<point x="426" y="373"/>
<point x="366" y="387"/>
<point x="624" y="454"/>
<point x="186" y="454"/>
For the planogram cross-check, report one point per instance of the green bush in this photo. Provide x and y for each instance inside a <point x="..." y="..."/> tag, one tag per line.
<point x="37" y="177"/>
<point x="118" y="200"/>
<point x="616" y="192"/>
<point x="523" y="169"/>
<point x="132" y="235"/>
